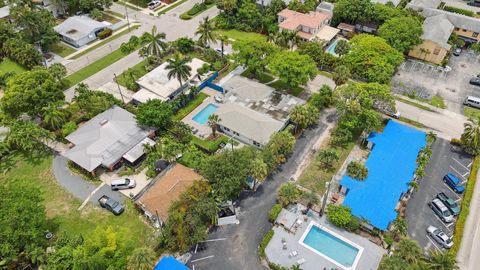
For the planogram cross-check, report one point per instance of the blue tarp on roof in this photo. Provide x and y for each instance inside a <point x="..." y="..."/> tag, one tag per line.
<point x="170" y="263"/>
<point x="391" y="166"/>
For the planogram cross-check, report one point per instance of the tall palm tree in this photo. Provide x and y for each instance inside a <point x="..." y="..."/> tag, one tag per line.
<point x="224" y="40"/>
<point x="299" y="116"/>
<point x="178" y="67"/>
<point x="471" y="134"/>
<point x="409" y="250"/>
<point x="156" y="44"/>
<point x="142" y="258"/>
<point x="205" y="32"/>
<point x="441" y="260"/>
<point x="431" y="137"/>
<point x="399" y="228"/>
<point x="54" y="117"/>
<point x="213" y="121"/>
<point x="258" y="171"/>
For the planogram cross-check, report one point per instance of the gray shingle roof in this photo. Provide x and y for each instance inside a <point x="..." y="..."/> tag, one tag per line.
<point x="438" y="29"/>
<point x="104" y="139"/>
<point x="77" y="27"/>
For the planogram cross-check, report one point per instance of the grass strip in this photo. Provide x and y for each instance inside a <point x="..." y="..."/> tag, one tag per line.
<point x="139" y="70"/>
<point x="186" y="16"/>
<point x="194" y="103"/>
<point x="174" y="5"/>
<point x="413" y="103"/>
<point x="210" y="145"/>
<point x="471" y="112"/>
<point x="62" y="50"/>
<point x="105" y="41"/>
<point x="7" y="65"/>
<point x="411" y="122"/>
<point x="467" y="198"/>
<point x="437" y="101"/>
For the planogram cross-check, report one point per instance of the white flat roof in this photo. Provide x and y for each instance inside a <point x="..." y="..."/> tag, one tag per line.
<point x="327" y="33"/>
<point x="138" y="150"/>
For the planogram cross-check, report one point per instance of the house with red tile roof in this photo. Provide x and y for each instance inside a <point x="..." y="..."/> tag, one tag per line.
<point x="309" y="26"/>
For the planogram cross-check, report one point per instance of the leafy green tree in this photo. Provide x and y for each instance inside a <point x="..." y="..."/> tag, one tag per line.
<point x="253" y="54"/>
<point x="155" y="41"/>
<point x="54" y="116"/>
<point x="250" y="17"/>
<point x="280" y="146"/>
<point x="357" y="170"/>
<point x="293" y="68"/>
<point x="23" y="221"/>
<point x="178" y="67"/>
<point x="341" y="74"/>
<point x="322" y="99"/>
<point x="258" y="171"/>
<point x="89" y="103"/>
<point x="288" y="193"/>
<point x="342" y="47"/>
<point x="328" y="157"/>
<point x="181" y="132"/>
<point x="471" y="136"/>
<point x="68" y="128"/>
<point x="304" y="115"/>
<point x="29" y="92"/>
<point x="155" y="113"/>
<point x="96" y="14"/>
<point x="409" y="250"/>
<point x="22" y="53"/>
<point x="26" y="136"/>
<point x="441" y="260"/>
<point x="226" y="6"/>
<point x="339" y="215"/>
<point x="184" y="45"/>
<point x="402" y="33"/>
<point x="392" y="263"/>
<point x="205" y="32"/>
<point x="311" y="198"/>
<point x="171" y="149"/>
<point x="399" y="228"/>
<point x="371" y="58"/>
<point x="213" y="121"/>
<point x="353" y="11"/>
<point x="58" y="71"/>
<point x="142" y="258"/>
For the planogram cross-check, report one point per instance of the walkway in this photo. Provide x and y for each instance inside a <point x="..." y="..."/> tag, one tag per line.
<point x="235" y="246"/>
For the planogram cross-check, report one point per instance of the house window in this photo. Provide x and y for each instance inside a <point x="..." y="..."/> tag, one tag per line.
<point x="236" y="133"/>
<point x="227" y="129"/>
<point x="256" y="144"/>
<point x="464" y="30"/>
<point x="436" y="51"/>
<point x="475" y="34"/>
<point x="457" y="29"/>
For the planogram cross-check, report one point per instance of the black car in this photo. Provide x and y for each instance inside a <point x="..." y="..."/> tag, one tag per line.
<point x="475" y="81"/>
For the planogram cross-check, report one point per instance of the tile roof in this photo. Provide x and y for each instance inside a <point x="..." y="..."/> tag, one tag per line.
<point x="295" y="19"/>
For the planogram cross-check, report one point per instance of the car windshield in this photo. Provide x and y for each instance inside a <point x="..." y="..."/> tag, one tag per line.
<point x="446" y="213"/>
<point x="448" y="241"/>
<point x="452" y="203"/>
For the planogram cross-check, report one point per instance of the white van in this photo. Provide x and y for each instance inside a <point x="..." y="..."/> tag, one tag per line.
<point x="472" y="101"/>
<point x="124" y="183"/>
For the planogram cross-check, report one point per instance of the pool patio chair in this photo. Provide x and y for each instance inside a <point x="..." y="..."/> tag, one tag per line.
<point x="301" y="261"/>
<point x="293" y="254"/>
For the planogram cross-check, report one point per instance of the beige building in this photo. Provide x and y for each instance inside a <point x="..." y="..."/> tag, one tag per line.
<point x="313" y="25"/>
<point x="436" y="32"/>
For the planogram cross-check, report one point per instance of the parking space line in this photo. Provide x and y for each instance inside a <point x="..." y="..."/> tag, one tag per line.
<point x="89" y="196"/>
<point x="461" y="164"/>
<point x="441" y="222"/>
<point x="457" y="171"/>
<point x="470" y="165"/>
<point x="457" y="200"/>
<point x="452" y="192"/>
<point x="217" y="239"/>
<point x="433" y="243"/>
<point x="203" y="258"/>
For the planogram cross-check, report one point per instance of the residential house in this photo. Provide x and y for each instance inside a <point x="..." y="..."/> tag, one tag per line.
<point x="310" y="26"/>
<point x="157" y="85"/>
<point x="107" y="139"/>
<point x="164" y="190"/>
<point x="346" y="29"/>
<point x="467" y="28"/>
<point x="436" y="32"/>
<point x="252" y="112"/>
<point x="326" y="7"/>
<point x="79" y="30"/>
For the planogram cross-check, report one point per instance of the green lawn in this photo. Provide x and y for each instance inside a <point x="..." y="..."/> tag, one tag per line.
<point x="140" y="71"/>
<point x="172" y="6"/>
<point x="411" y="122"/>
<point x="239" y="35"/>
<point x="190" y="106"/>
<point x="437" y="101"/>
<point x="7" y="65"/>
<point x="116" y="14"/>
<point x="62" y="49"/>
<point x="124" y="30"/>
<point x="262" y="77"/>
<point x="109" y="18"/>
<point x="282" y="86"/>
<point x="186" y="16"/>
<point x="326" y="74"/>
<point x="210" y="145"/>
<point x="471" y="112"/>
<point x="62" y="207"/>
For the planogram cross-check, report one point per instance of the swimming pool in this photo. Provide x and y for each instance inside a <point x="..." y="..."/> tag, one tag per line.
<point x="331" y="246"/>
<point x="202" y="116"/>
<point x="331" y="48"/>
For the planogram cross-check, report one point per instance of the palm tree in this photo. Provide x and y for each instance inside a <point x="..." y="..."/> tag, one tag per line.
<point x="296" y="267"/>
<point x="299" y="116"/>
<point x="213" y="121"/>
<point x="205" y="31"/>
<point x="341" y="74"/>
<point x="131" y="73"/>
<point x="224" y="40"/>
<point x="178" y="67"/>
<point x="272" y="37"/>
<point x="258" y="171"/>
<point x="471" y="134"/>
<point x="431" y="137"/>
<point x="156" y="44"/>
<point x="399" y="228"/>
<point x="409" y="250"/>
<point x="54" y="117"/>
<point x="441" y="260"/>
<point x="142" y="258"/>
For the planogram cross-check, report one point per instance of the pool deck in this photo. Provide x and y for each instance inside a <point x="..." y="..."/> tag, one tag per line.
<point x="369" y="258"/>
<point x="203" y="130"/>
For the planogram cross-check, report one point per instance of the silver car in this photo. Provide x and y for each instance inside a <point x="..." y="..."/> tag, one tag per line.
<point x="441" y="210"/>
<point x="125" y="183"/>
<point x="439" y="236"/>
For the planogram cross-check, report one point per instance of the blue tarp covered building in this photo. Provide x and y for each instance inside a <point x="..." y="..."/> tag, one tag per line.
<point x="391" y="166"/>
<point x="170" y="263"/>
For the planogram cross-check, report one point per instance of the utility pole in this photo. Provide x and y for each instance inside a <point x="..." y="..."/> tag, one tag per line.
<point x="119" y="89"/>
<point x="126" y="15"/>
<point x="324" y="203"/>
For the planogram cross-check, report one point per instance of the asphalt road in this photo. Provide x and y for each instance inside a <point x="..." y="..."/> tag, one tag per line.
<point x="235" y="246"/>
<point x="79" y="187"/>
<point x="418" y="214"/>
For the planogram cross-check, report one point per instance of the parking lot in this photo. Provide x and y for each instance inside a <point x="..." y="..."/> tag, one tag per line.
<point x="418" y="214"/>
<point x="428" y="80"/>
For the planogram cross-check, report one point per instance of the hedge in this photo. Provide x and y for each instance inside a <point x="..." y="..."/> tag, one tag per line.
<point x="459" y="11"/>
<point x="462" y="218"/>
<point x="105" y="33"/>
<point x="273" y="214"/>
<point x="266" y="239"/>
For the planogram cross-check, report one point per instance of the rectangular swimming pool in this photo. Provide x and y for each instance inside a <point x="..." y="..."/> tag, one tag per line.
<point x="202" y="116"/>
<point x="331" y="246"/>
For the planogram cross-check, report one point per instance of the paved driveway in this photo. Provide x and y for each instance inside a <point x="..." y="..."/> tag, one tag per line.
<point x="427" y="80"/>
<point x="235" y="246"/>
<point x="418" y="214"/>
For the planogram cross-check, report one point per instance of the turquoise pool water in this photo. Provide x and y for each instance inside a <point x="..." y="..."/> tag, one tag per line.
<point x="331" y="49"/>
<point x="331" y="246"/>
<point x="202" y="116"/>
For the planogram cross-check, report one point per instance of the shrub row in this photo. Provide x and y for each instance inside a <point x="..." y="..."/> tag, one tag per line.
<point x="459" y="11"/>
<point x="273" y="214"/>
<point x="266" y="239"/>
<point x="105" y="33"/>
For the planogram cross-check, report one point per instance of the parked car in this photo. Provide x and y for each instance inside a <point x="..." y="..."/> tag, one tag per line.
<point x="111" y="205"/>
<point x="124" y="183"/>
<point x="454" y="183"/>
<point x="457" y="52"/>
<point x="475" y="81"/>
<point x="441" y="210"/>
<point x="472" y="101"/>
<point x="449" y="203"/>
<point x="395" y="114"/>
<point x="154" y="4"/>
<point x="439" y="236"/>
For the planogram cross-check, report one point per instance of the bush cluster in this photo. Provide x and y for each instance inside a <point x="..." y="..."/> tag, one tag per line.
<point x="273" y="214"/>
<point x="105" y="33"/>
<point x="266" y="239"/>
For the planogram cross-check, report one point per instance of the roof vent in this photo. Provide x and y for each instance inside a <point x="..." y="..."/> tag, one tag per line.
<point x="103" y="122"/>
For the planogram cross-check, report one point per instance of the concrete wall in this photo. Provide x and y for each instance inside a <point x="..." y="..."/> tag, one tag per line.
<point x="238" y="137"/>
<point x="432" y="47"/>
